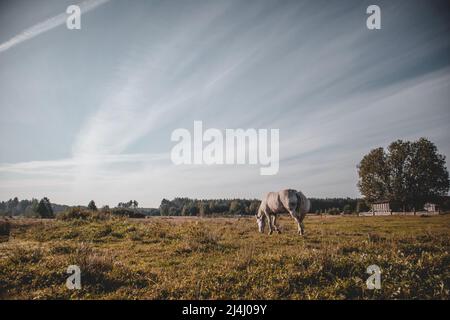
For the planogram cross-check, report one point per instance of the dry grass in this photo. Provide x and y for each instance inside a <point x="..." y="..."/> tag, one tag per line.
<point x="225" y="258"/>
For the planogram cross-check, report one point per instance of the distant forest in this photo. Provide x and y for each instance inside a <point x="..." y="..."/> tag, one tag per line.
<point x="193" y="207"/>
<point x="29" y="208"/>
<point x="190" y="207"/>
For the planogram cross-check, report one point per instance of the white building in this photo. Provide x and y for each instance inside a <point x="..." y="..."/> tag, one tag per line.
<point x="431" y="207"/>
<point x="381" y="208"/>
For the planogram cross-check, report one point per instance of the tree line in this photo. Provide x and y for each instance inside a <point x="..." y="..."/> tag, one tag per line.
<point x="181" y="207"/>
<point x="43" y="208"/>
<point x="176" y="207"/>
<point x="29" y="208"/>
<point x="195" y="207"/>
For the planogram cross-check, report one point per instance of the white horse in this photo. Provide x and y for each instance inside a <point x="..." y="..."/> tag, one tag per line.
<point x="291" y="201"/>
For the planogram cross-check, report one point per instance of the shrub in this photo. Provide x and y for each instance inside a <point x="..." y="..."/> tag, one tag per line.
<point x="104" y="231"/>
<point x="347" y="209"/>
<point x="334" y="211"/>
<point x="22" y="255"/>
<point x="100" y="273"/>
<point x="5" y="230"/>
<point x="125" y="212"/>
<point x="94" y="266"/>
<point x="73" y="213"/>
<point x="200" y="239"/>
<point x="83" y="214"/>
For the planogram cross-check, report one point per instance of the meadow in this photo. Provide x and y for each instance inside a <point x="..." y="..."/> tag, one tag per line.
<point x="226" y="258"/>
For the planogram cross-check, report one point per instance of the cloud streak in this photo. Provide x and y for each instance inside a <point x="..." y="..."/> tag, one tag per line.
<point x="48" y="25"/>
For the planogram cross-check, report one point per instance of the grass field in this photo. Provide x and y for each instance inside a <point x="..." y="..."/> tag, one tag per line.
<point x="225" y="258"/>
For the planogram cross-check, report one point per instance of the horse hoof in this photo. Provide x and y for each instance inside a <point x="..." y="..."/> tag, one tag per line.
<point x="278" y="231"/>
<point x="270" y="232"/>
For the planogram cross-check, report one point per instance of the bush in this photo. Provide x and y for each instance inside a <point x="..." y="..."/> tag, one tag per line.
<point x="104" y="231"/>
<point x="101" y="274"/>
<point x="124" y="212"/>
<point x="78" y="213"/>
<point x="347" y="209"/>
<point x="22" y="255"/>
<point x="5" y="230"/>
<point x="334" y="211"/>
<point x="198" y="238"/>
<point x="93" y="265"/>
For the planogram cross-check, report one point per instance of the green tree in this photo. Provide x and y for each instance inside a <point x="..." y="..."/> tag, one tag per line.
<point x="189" y="209"/>
<point x="399" y="155"/>
<point x="236" y="206"/>
<point x="44" y="209"/>
<point x="347" y="209"/>
<point x="164" y="207"/>
<point x="253" y="208"/>
<point x="361" y="206"/>
<point x="427" y="177"/>
<point x="203" y="209"/>
<point x="92" y="206"/>
<point x="374" y="176"/>
<point x="410" y="173"/>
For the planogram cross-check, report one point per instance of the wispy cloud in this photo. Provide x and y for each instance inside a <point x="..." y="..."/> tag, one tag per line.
<point x="44" y="167"/>
<point x="48" y="25"/>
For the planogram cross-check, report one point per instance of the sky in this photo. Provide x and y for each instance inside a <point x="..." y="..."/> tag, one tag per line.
<point x="88" y="114"/>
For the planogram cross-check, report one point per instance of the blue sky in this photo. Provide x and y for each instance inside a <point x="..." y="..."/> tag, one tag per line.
<point x="87" y="114"/>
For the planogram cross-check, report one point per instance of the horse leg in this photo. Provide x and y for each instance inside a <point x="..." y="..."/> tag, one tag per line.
<point x="274" y="222"/>
<point x="269" y="220"/>
<point x="299" y="222"/>
<point x="302" y="226"/>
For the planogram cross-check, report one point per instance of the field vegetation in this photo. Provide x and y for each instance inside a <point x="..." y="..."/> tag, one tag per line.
<point x="225" y="258"/>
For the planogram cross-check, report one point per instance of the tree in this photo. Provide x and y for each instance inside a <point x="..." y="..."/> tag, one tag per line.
<point x="164" y="207"/>
<point x="44" y="208"/>
<point x="129" y="204"/>
<point x="92" y="206"/>
<point x="235" y="206"/>
<point x="253" y="208"/>
<point x="203" y="209"/>
<point x="347" y="209"/>
<point x="374" y="176"/>
<point x="427" y="177"/>
<point x="361" y="206"/>
<point x="399" y="154"/>
<point x="410" y="173"/>
<point x="189" y="209"/>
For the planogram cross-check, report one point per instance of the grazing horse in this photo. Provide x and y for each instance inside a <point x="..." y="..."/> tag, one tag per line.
<point x="291" y="201"/>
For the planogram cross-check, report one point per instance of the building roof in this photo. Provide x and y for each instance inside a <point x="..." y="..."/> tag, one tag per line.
<point x="380" y="201"/>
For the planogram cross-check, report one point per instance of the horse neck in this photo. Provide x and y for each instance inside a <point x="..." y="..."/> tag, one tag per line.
<point x="260" y="213"/>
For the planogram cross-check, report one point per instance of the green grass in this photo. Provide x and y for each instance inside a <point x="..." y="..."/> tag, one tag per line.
<point x="226" y="258"/>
